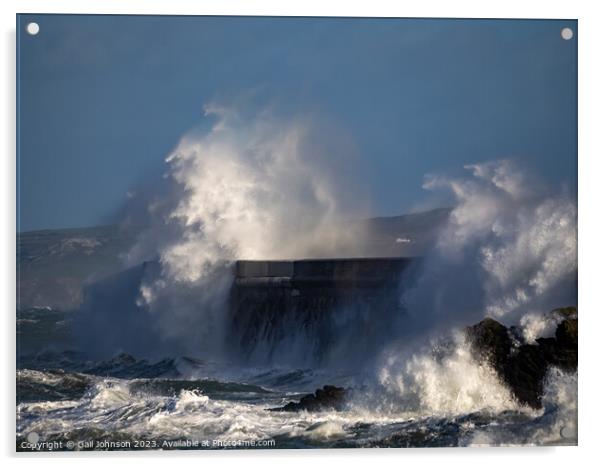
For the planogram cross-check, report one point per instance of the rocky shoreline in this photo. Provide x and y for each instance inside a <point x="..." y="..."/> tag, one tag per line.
<point x="523" y="366"/>
<point x="327" y="397"/>
<point x="520" y="365"/>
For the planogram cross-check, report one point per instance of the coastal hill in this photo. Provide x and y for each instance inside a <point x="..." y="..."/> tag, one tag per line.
<point x="53" y="266"/>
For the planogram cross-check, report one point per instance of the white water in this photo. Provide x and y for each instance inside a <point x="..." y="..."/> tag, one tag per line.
<point x="250" y="189"/>
<point x="263" y="187"/>
<point x="111" y="406"/>
<point x="259" y="187"/>
<point x="508" y="251"/>
<point x="519" y="237"/>
<point x="444" y="385"/>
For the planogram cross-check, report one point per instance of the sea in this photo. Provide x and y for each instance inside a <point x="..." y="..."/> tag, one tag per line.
<point x="67" y="401"/>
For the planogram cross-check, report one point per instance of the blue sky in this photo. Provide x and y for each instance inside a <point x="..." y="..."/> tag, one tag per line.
<point x="103" y="99"/>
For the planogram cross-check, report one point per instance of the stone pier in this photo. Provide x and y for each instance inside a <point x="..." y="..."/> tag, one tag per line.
<point x="274" y="300"/>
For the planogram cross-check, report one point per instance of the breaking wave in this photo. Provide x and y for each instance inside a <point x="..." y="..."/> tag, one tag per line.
<point x="161" y="412"/>
<point x="260" y="189"/>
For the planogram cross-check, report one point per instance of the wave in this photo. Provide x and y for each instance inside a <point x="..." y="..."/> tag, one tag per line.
<point x="35" y="385"/>
<point x="256" y="190"/>
<point x="438" y="397"/>
<point x="442" y="379"/>
<point x="120" y="409"/>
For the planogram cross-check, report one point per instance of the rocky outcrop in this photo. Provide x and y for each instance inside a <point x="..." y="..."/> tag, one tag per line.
<point x="328" y="397"/>
<point x="491" y="340"/>
<point x="523" y="367"/>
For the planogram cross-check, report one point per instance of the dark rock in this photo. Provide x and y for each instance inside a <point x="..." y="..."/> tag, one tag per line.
<point x="490" y="341"/>
<point x="548" y="348"/>
<point x="566" y="337"/>
<point x="566" y="333"/>
<point x="328" y="397"/>
<point x="523" y="367"/>
<point x="565" y="312"/>
<point x="524" y="373"/>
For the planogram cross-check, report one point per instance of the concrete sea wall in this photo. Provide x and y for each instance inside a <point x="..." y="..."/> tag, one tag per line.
<point x="318" y="304"/>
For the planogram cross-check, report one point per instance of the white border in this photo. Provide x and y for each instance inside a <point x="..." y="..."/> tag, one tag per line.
<point x="434" y="8"/>
<point x="590" y="170"/>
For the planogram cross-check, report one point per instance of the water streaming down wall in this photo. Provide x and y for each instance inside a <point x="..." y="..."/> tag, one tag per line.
<point x="316" y="310"/>
<point x="298" y="312"/>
